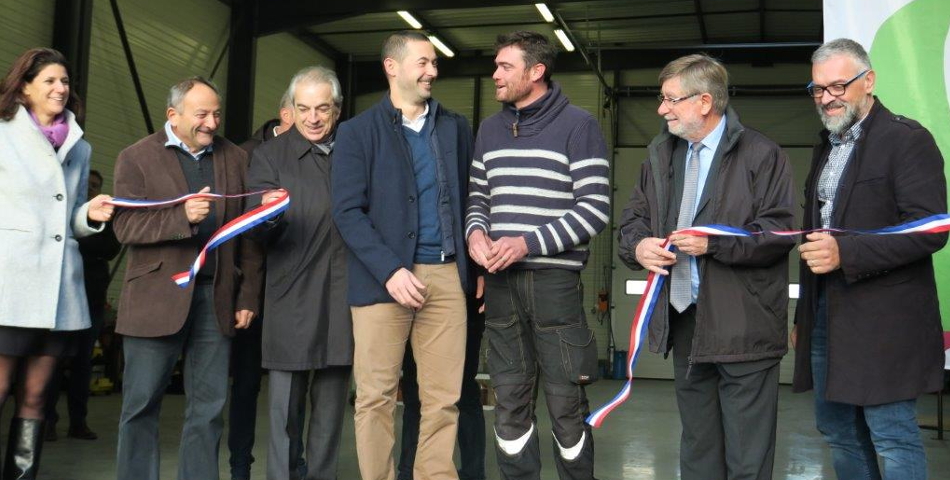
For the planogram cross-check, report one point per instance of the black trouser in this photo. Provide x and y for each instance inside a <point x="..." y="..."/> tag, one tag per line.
<point x="534" y="319"/>
<point x="246" y="375"/>
<point x="471" y="430"/>
<point x="728" y="411"/>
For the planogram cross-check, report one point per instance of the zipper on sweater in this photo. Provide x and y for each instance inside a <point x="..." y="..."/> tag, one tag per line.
<point x="514" y="125"/>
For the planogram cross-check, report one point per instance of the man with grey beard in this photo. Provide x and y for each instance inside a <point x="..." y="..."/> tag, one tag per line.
<point x="868" y="334"/>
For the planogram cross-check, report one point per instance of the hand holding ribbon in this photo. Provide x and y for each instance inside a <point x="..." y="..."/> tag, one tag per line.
<point x="232" y="229"/>
<point x="820" y="252"/>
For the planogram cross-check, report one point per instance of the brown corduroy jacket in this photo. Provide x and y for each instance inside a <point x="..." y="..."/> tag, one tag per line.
<point x="152" y="305"/>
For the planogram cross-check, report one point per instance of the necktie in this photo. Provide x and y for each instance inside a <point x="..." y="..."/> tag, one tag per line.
<point x="681" y="290"/>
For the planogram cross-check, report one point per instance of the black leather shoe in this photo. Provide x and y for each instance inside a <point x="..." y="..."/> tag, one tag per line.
<point x="81" y="432"/>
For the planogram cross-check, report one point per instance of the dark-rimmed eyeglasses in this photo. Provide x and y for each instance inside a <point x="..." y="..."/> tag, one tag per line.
<point x="835" y="90"/>
<point x="673" y="101"/>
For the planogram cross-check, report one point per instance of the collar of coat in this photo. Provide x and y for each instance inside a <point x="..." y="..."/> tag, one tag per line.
<point x="300" y="146"/>
<point x="27" y="129"/>
<point x="663" y="144"/>
<point x="395" y="114"/>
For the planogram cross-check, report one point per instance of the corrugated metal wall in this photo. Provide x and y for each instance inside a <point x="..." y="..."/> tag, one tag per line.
<point x="24" y="25"/>
<point x="167" y="47"/>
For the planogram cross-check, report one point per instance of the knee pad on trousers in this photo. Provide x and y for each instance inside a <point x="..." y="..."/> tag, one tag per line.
<point x="516" y="446"/>
<point x="570" y="453"/>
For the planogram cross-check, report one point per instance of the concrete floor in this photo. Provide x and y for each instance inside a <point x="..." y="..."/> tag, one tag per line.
<point x="639" y="441"/>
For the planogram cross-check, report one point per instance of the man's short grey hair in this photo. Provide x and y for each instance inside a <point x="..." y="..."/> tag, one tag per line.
<point x="178" y="91"/>
<point x="842" y="46"/>
<point x="316" y="75"/>
<point x="700" y="73"/>
<point x="286" y="101"/>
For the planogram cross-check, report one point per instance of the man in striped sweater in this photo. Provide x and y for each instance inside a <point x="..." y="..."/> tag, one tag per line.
<point x="538" y="193"/>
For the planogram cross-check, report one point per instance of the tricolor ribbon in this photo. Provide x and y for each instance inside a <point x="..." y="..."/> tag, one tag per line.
<point x="130" y="203"/>
<point x="228" y="231"/>
<point x="641" y="319"/>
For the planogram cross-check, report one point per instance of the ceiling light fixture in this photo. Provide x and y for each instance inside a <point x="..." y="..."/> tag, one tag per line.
<point x="545" y="12"/>
<point x="564" y="40"/>
<point x="441" y="46"/>
<point x="409" y="19"/>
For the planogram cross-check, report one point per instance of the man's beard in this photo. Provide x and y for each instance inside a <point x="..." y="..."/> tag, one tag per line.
<point x="687" y="129"/>
<point x="838" y="124"/>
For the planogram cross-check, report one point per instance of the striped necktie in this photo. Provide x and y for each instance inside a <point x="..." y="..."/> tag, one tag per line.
<point x="681" y="289"/>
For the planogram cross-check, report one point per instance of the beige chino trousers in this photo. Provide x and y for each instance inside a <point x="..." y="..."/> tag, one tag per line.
<point x="437" y="332"/>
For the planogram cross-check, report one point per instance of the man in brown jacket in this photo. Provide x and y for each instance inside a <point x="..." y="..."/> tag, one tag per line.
<point x="161" y="321"/>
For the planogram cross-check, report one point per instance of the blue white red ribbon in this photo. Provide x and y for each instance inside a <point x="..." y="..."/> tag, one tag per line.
<point x="641" y="319"/>
<point x="130" y="203"/>
<point x="230" y="230"/>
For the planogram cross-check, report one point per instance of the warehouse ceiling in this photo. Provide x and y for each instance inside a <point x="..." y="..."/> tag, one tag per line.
<point x="621" y="32"/>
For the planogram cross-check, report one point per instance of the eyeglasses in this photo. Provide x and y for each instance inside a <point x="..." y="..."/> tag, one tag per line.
<point x="835" y="90"/>
<point x="673" y="101"/>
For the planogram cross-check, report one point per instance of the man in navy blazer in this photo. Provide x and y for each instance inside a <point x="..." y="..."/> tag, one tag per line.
<point x="398" y="177"/>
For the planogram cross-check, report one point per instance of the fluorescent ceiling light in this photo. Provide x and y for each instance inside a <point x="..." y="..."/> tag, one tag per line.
<point x="564" y="40"/>
<point x="409" y="19"/>
<point x="441" y="46"/>
<point x="545" y="12"/>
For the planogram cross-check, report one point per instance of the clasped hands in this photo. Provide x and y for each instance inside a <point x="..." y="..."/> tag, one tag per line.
<point x="496" y="255"/>
<point x="651" y="254"/>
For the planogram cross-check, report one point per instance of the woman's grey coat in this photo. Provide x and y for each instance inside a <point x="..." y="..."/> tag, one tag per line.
<point x="44" y="193"/>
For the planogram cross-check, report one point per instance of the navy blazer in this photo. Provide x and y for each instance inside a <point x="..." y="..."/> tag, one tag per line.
<point x="374" y="194"/>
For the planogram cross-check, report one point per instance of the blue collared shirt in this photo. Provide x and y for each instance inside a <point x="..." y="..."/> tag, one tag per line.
<point x="174" y="141"/>
<point x="710" y="144"/>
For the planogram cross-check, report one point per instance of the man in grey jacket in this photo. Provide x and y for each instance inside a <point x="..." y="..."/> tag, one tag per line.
<point x="723" y="308"/>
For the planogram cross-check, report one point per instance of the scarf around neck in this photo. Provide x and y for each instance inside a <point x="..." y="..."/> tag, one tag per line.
<point x="55" y="133"/>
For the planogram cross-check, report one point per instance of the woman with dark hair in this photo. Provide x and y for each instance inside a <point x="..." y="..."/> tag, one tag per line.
<point x="44" y="165"/>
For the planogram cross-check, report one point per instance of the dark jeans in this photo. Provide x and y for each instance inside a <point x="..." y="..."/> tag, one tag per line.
<point x="471" y="430"/>
<point x="535" y="318"/>
<point x="149" y="364"/>
<point x="77" y="382"/>
<point x="246" y="375"/>
<point x="858" y="434"/>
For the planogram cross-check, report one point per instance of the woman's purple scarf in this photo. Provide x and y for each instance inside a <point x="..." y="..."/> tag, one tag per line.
<point x="55" y="133"/>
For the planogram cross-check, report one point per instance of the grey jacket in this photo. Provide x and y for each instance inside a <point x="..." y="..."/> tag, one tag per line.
<point x="743" y="295"/>
<point x="41" y="276"/>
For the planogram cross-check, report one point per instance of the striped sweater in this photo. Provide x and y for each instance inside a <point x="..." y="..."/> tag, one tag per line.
<point x="541" y="173"/>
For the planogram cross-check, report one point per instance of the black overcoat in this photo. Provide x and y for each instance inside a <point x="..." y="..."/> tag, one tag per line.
<point x="307" y="320"/>
<point x="885" y="341"/>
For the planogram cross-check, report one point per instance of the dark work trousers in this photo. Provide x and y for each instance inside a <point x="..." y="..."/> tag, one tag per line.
<point x="76" y="384"/>
<point x="471" y="430"/>
<point x="149" y="364"/>
<point x="245" y="386"/>
<point x="535" y="318"/>
<point x="728" y="411"/>
<point x="328" y="389"/>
